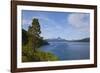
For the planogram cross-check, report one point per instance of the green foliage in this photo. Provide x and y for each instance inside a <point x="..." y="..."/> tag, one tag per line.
<point x="29" y="55"/>
<point x="24" y="37"/>
<point x="45" y="56"/>
<point x="34" y="30"/>
<point x="31" y="41"/>
<point x="34" y="34"/>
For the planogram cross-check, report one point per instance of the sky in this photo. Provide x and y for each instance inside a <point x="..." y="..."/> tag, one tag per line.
<point x="66" y="25"/>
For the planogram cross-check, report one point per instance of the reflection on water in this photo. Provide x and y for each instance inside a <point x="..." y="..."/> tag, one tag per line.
<point x="69" y="50"/>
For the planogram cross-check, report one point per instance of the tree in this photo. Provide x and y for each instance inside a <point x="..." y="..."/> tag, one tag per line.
<point x="34" y="34"/>
<point x="24" y="37"/>
<point x="31" y="42"/>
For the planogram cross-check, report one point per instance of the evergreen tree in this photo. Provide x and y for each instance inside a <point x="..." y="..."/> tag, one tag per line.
<point x="34" y="34"/>
<point x="31" y="42"/>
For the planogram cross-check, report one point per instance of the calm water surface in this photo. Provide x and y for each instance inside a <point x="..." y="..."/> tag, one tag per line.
<point x="69" y="50"/>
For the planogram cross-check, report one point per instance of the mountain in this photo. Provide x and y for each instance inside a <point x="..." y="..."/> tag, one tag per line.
<point x="64" y="40"/>
<point x="82" y="40"/>
<point x="56" y="40"/>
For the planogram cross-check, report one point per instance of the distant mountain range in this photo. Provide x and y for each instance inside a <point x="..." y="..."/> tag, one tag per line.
<point x="63" y="40"/>
<point x="82" y="40"/>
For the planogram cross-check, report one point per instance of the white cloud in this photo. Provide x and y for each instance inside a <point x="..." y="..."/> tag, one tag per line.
<point x="79" y="21"/>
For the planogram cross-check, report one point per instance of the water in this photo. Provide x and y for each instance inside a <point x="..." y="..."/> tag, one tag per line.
<point x="69" y="50"/>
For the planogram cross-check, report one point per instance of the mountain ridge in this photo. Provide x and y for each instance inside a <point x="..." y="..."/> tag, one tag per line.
<point x="60" y="40"/>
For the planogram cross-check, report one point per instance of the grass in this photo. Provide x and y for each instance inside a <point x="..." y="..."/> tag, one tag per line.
<point x="28" y="55"/>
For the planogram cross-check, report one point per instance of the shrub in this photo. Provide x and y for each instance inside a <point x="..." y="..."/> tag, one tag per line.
<point x="28" y="55"/>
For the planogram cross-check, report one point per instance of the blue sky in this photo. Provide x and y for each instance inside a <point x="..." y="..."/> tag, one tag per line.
<point x="67" y="25"/>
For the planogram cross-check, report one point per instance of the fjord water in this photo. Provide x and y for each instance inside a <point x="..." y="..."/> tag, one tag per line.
<point x="68" y="50"/>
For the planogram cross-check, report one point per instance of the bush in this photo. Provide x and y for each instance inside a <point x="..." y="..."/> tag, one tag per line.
<point x="28" y="55"/>
<point x="45" y="56"/>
